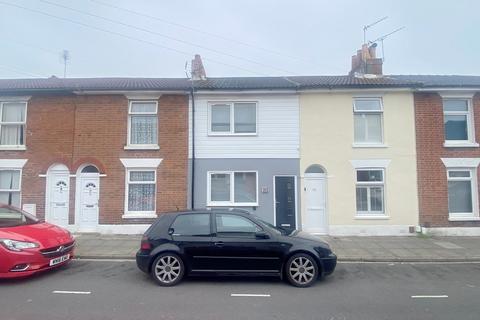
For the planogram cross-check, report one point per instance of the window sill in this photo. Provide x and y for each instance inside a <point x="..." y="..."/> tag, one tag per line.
<point x="464" y="219"/>
<point x="226" y="134"/>
<point x="232" y="204"/>
<point x="13" y="148"/>
<point x="369" y="145"/>
<point x="146" y="215"/>
<point x="142" y="147"/>
<point x="371" y="217"/>
<point x="447" y="144"/>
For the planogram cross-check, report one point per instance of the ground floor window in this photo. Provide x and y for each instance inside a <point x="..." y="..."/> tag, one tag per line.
<point x="141" y="187"/>
<point x="462" y="193"/>
<point x="370" y="190"/>
<point x="10" y="187"/>
<point x="232" y="188"/>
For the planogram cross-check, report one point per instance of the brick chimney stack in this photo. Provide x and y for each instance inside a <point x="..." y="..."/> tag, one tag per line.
<point x="365" y="62"/>
<point x="198" y="71"/>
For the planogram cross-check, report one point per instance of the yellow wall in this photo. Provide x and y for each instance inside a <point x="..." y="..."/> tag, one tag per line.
<point x="326" y="126"/>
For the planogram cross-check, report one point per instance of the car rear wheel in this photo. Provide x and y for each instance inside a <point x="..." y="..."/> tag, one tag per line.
<point x="168" y="269"/>
<point x="301" y="270"/>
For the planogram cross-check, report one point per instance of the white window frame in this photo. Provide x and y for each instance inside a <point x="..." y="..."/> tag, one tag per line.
<point x="232" y="202"/>
<point x="232" y="119"/>
<point x="23" y="123"/>
<point x="470" y="142"/>
<point x="465" y="216"/>
<point x="129" y="145"/>
<point x="370" y="213"/>
<point x="141" y="214"/>
<point x="361" y="111"/>
<point x="19" y="190"/>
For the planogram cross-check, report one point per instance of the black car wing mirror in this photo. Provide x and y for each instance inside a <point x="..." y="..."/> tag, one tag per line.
<point x="170" y="231"/>
<point x="262" y="235"/>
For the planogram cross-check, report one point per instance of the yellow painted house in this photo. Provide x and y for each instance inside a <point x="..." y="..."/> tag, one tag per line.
<point x="358" y="161"/>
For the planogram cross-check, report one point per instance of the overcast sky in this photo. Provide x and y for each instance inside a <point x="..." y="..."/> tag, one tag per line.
<point x="235" y="38"/>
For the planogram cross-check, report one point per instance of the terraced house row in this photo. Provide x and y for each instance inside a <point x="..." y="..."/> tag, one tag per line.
<point x="360" y="154"/>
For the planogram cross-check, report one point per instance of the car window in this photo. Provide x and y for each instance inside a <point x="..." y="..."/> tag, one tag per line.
<point x="233" y="225"/>
<point x="10" y="217"/>
<point x="197" y="224"/>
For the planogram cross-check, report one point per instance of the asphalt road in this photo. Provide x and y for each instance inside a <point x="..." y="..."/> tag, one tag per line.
<point x="117" y="290"/>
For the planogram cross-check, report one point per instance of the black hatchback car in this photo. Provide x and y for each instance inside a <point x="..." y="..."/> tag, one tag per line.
<point x="230" y="242"/>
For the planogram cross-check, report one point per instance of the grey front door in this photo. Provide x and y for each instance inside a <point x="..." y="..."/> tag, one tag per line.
<point x="285" y="202"/>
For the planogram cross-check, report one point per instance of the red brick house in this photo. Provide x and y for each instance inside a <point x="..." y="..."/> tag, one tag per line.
<point x="447" y="113"/>
<point x="104" y="155"/>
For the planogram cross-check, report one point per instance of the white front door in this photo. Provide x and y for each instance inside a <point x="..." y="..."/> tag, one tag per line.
<point x="58" y="199"/>
<point x="315" y="201"/>
<point x="89" y="195"/>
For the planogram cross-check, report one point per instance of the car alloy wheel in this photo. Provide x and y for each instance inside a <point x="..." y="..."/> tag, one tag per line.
<point x="168" y="269"/>
<point x="301" y="270"/>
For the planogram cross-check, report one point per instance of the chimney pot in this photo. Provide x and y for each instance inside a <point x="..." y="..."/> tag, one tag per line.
<point x="198" y="71"/>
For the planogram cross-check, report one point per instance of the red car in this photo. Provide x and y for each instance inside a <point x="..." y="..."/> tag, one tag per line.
<point x="28" y="245"/>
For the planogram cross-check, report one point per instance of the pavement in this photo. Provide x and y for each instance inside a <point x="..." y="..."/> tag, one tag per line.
<point x="367" y="249"/>
<point x="116" y="289"/>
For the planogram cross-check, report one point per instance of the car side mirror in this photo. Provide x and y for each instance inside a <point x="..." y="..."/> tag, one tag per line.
<point x="262" y="235"/>
<point x="170" y="231"/>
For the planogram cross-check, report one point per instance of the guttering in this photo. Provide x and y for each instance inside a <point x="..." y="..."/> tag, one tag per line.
<point x="130" y="92"/>
<point x="376" y="89"/>
<point x="232" y="92"/>
<point x="459" y="89"/>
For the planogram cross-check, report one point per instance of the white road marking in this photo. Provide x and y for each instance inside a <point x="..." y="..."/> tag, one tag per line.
<point x="72" y="292"/>
<point x="430" y="296"/>
<point x="249" y="295"/>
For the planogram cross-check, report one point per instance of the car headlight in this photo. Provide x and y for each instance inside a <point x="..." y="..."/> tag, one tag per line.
<point x="15" y="245"/>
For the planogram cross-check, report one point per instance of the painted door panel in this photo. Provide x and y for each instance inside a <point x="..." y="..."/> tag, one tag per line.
<point x="59" y="199"/>
<point x="285" y="202"/>
<point x="89" y="197"/>
<point x="316" y="214"/>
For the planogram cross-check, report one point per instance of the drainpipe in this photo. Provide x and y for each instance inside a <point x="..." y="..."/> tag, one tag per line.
<point x="192" y="191"/>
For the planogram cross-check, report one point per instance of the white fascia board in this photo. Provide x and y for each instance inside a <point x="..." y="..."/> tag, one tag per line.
<point x="370" y="163"/>
<point x="143" y="94"/>
<point x="461" y="162"/>
<point x="13" y="163"/>
<point x="449" y="90"/>
<point x="141" y="162"/>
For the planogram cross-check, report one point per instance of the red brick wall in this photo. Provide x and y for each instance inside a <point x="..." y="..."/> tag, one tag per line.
<point x="432" y="175"/>
<point x="76" y="130"/>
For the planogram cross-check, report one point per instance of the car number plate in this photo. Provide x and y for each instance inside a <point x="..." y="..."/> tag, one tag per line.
<point x="59" y="260"/>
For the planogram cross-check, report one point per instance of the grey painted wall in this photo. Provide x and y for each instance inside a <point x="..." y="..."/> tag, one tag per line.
<point x="266" y="168"/>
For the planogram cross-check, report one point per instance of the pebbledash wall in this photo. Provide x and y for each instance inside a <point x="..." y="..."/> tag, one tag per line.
<point x="73" y="131"/>
<point x="436" y="155"/>
<point x="327" y="147"/>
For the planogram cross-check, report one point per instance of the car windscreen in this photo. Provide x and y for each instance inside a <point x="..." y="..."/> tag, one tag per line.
<point x="10" y="217"/>
<point x="270" y="226"/>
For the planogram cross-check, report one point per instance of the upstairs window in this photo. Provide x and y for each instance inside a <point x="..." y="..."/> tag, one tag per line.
<point x="143" y="124"/>
<point x="457" y="118"/>
<point x="12" y="124"/>
<point x="368" y="121"/>
<point x="236" y="118"/>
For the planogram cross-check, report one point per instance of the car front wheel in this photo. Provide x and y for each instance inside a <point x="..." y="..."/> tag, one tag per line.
<point x="301" y="270"/>
<point x="168" y="269"/>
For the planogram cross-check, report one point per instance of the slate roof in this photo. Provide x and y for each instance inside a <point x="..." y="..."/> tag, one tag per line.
<point x="234" y="83"/>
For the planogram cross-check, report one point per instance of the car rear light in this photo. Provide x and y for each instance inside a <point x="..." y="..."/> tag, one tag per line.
<point x="145" y="244"/>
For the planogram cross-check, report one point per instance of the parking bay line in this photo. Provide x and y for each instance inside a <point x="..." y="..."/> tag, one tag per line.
<point x="429" y="296"/>
<point x="249" y="295"/>
<point x="72" y="292"/>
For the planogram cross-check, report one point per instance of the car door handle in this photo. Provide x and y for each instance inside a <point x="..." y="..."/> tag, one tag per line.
<point x="219" y="243"/>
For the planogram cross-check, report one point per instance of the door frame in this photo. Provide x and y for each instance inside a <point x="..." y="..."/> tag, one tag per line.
<point x="324" y="177"/>
<point x="78" y="198"/>
<point x="275" y="203"/>
<point x="56" y="169"/>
